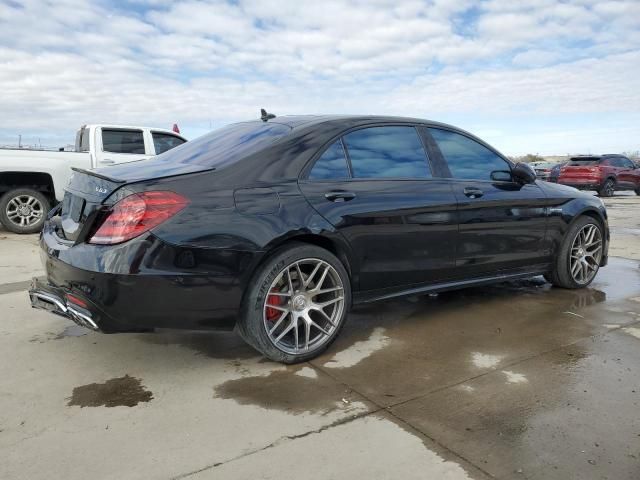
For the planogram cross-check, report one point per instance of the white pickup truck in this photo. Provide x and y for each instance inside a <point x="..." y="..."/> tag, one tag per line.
<point x="32" y="181"/>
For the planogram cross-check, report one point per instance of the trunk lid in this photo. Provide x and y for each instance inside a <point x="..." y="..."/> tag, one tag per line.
<point x="85" y="195"/>
<point x="82" y="201"/>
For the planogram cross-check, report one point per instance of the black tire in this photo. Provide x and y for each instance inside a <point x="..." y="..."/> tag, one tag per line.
<point x="561" y="275"/>
<point x="637" y="191"/>
<point x="608" y="188"/>
<point x="251" y="324"/>
<point x="11" y="216"/>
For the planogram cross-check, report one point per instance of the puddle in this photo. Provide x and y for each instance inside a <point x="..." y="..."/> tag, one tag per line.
<point x="72" y="331"/>
<point x="294" y="390"/>
<point x="118" y="392"/>
<point x="214" y="344"/>
<point x="359" y="350"/>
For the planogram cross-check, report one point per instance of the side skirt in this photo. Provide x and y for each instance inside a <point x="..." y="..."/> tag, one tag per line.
<point x="376" y="295"/>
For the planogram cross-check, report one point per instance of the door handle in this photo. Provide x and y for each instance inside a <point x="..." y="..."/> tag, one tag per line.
<point x="473" y="192"/>
<point x="339" y="196"/>
<point x="107" y="161"/>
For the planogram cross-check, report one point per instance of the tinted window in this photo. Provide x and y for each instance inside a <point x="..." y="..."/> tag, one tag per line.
<point x="332" y="164"/>
<point x="165" y="141"/>
<point x="617" y="162"/>
<point x="581" y="162"/>
<point x="626" y="163"/>
<point x="122" y="141"/>
<point x="387" y="152"/>
<point x="467" y="158"/>
<point x="228" y="144"/>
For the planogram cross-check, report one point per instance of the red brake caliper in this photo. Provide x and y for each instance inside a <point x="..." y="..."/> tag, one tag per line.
<point x="273" y="313"/>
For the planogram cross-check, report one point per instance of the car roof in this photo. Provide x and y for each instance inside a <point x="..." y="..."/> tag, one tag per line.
<point x="597" y="157"/>
<point x="299" y="121"/>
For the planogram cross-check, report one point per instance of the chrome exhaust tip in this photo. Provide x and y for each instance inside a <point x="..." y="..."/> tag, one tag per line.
<point x="82" y="319"/>
<point x="54" y="304"/>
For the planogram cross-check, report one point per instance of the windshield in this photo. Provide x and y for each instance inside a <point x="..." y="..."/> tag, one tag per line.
<point x="543" y="165"/>
<point x="226" y="145"/>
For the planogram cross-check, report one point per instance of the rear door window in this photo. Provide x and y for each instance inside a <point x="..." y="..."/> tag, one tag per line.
<point x="467" y="159"/>
<point x="626" y="163"/>
<point x="122" y="141"/>
<point x="332" y="164"/>
<point x="387" y="152"/>
<point x="165" y="141"/>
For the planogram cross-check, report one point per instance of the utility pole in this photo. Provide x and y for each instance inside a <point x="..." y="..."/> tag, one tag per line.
<point x="19" y="141"/>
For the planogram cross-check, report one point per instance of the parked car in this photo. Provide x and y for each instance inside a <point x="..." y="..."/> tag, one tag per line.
<point x="31" y="181"/>
<point x="543" y="170"/>
<point x="602" y="173"/>
<point x="554" y="173"/>
<point x="277" y="227"/>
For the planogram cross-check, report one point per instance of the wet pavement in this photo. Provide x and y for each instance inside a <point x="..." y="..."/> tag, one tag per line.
<point x="517" y="380"/>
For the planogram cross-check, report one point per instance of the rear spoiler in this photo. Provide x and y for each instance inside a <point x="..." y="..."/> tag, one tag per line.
<point x="99" y="175"/>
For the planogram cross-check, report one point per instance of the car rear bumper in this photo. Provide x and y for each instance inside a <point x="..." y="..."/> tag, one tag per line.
<point x="581" y="185"/>
<point x="150" y="296"/>
<point x="46" y="297"/>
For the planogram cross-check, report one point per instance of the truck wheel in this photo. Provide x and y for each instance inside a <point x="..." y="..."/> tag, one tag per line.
<point x="23" y="210"/>
<point x="608" y="188"/>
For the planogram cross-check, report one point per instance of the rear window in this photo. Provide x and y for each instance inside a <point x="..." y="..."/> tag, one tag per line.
<point x="581" y="162"/>
<point x="228" y="144"/>
<point x="165" y="141"/>
<point x="122" y="141"/>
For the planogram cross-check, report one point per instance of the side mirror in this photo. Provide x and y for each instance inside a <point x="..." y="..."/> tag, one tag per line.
<point x="501" y="176"/>
<point x="523" y="173"/>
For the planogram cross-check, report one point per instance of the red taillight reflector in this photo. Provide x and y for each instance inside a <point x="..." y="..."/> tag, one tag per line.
<point x="136" y="214"/>
<point x="76" y="301"/>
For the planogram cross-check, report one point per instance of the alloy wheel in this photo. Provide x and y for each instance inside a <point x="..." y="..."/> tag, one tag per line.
<point x="24" y="210"/>
<point x="586" y="253"/>
<point x="304" y="306"/>
<point x="610" y="190"/>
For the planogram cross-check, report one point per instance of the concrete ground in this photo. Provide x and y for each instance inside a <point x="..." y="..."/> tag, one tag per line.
<point x="517" y="380"/>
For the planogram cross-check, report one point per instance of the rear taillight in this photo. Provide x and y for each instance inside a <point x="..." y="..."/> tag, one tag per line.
<point x="136" y="214"/>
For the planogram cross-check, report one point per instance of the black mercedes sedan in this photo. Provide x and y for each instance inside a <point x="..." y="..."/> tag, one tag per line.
<point x="276" y="227"/>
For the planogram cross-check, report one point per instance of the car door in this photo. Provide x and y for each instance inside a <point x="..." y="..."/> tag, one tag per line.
<point x="376" y="186"/>
<point x="502" y="222"/>
<point x="121" y="145"/>
<point x="627" y="174"/>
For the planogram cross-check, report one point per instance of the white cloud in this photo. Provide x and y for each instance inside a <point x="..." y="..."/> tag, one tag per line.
<point x="536" y="58"/>
<point x="70" y="62"/>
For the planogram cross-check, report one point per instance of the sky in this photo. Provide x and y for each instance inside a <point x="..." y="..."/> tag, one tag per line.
<point x="528" y="76"/>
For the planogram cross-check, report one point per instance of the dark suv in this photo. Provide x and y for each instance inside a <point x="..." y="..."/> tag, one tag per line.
<point x="603" y="173"/>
